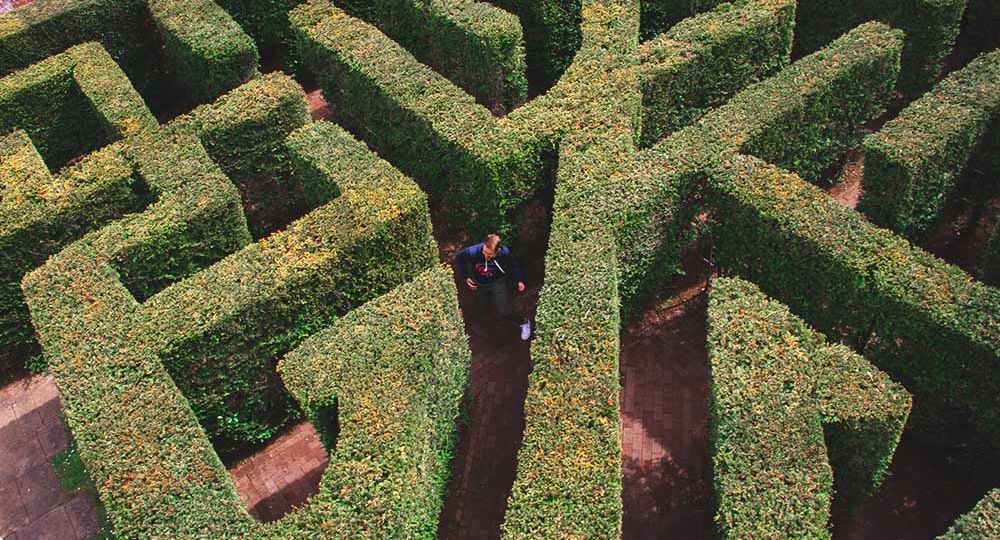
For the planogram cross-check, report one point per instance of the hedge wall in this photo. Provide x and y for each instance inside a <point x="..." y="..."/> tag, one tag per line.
<point x="989" y="264"/>
<point x="928" y="324"/>
<point x="913" y="165"/>
<point x="982" y="523"/>
<point x="982" y="17"/>
<point x="44" y="28"/>
<point x="706" y="59"/>
<point x="222" y="328"/>
<point x="656" y="194"/>
<point x="394" y="371"/>
<point x="438" y="135"/>
<point x="199" y="42"/>
<point x="204" y="47"/>
<point x="660" y="15"/>
<point x="568" y="482"/>
<point x="789" y="414"/>
<point x="931" y="27"/>
<point x="165" y="480"/>
<point x="476" y="45"/>
<point x="40" y="213"/>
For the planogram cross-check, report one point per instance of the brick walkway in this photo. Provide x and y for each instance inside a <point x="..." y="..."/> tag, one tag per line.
<point x="665" y="464"/>
<point x="283" y="475"/>
<point x="32" y="430"/>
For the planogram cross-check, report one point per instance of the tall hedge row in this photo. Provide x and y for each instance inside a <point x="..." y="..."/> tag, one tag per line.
<point x="789" y="414"/>
<point x="204" y="47"/>
<point x="118" y="363"/>
<point x="931" y="27"/>
<point x="914" y="163"/>
<point x="223" y="327"/>
<point x="658" y="16"/>
<point x="982" y="523"/>
<point x="195" y="41"/>
<point x="704" y="60"/>
<point x="394" y="372"/>
<point x="568" y="482"/>
<point x="476" y="45"/>
<point x="439" y="136"/>
<point x="926" y="323"/>
<point x="656" y="194"/>
<point x="40" y="213"/>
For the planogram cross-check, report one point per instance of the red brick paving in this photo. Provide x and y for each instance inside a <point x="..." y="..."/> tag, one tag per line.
<point x="282" y="475"/>
<point x="666" y="490"/>
<point x="32" y="430"/>
<point x="486" y="456"/>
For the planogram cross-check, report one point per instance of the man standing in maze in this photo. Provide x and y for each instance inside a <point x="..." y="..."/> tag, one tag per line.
<point x="486" y="267"/>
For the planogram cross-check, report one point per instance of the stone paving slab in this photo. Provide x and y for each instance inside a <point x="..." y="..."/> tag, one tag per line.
<point x="32" y="430"/>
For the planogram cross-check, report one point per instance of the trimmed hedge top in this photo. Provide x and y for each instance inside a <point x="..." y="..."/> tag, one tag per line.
<point x="195" y="40"/>
<point x="913" y="164"/>
<point x="982" y="523"/>
<point x="252" y="306"/>
<point x="394" y="372"/>
<point x="933" y="327"/>
<point x="40" y="213"/>
<point x="775" y="385"/>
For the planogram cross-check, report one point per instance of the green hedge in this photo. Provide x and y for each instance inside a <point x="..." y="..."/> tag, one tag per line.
<point x="931" y="27"/>
<point x="655" y="195"/>
<point x="474" y="44"/>
<point x="397" y="400"/>
<point x="989" y="264"/>
<point x="154" y="467"/>
<point x="204" y="47"/>
<point x="913" y="165"/>
<point x="45" y="28"/>
<point x="568" y="482"/>
<point x="267" y="22"/>
<point x="706" y="59"/>
<point x="61" y="107"/>
<point x="789" y="414"/>
<point x="439" y="136"/>
<point x="982" y="523"/>
<point x="551" y="34"/>
<point x="222" y="328"/>
<point x="928" y="324"/>
<point x="193" y="39"/>
<point x="660" y="15"/>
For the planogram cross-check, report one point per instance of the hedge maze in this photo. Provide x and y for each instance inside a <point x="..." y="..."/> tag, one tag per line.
<point x="197" y="282"/>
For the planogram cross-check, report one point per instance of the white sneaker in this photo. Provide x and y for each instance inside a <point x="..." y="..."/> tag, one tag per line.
<point x="526" y="331"/>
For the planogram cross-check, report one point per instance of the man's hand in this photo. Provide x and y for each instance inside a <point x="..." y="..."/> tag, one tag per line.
<point x="520" y="286"/>
<point x="472" y="284"/>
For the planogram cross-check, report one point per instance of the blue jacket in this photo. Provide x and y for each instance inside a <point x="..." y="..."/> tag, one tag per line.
<point x="472" y="263"/>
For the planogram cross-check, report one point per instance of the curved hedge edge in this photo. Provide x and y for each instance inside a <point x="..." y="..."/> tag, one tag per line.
<point x="914" y="163"/>
<point x="931" y="27"/>
<point x="982" y="523"/>
<point x="658" y="16"/>
<point x="775" y="385"/>
<point x="926" y="323"/>
<point x="568" y="482"/>
<point x="394" y="372"/>
<point x="204" y="47"/>
<point x="706" y="59"/>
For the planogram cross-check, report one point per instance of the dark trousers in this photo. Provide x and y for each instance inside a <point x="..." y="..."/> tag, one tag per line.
<point x="498" y="294"/>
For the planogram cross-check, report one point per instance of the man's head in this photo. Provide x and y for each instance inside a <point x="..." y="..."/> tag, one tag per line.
<point x="491" y="244"/>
